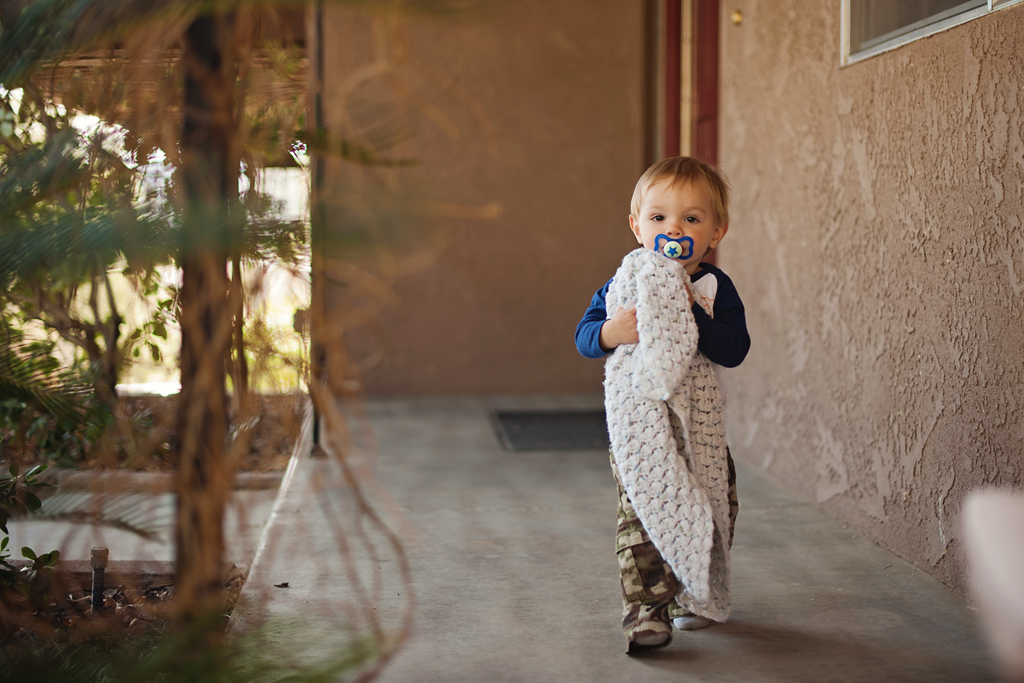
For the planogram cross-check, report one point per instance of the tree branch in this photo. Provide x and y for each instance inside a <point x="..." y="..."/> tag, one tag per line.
<point x="111" y="333"/>
<point x="62" y="322"/>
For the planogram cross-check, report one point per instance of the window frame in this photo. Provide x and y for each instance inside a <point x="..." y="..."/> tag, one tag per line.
<point x="847" y="58"/>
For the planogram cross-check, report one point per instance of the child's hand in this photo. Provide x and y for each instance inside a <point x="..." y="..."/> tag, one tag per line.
<point x="619" y="329"/>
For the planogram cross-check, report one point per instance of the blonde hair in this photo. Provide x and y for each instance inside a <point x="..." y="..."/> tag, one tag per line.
<point x="686" y="170"/>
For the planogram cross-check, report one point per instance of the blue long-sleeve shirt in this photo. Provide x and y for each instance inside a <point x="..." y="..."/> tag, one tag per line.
<point x="722" y="338"/>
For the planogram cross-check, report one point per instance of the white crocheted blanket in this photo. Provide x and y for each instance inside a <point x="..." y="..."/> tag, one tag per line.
<point x="667" y="433"/>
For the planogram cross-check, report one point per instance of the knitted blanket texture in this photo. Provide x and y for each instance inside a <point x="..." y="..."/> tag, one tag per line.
<point x="667" y="431"/>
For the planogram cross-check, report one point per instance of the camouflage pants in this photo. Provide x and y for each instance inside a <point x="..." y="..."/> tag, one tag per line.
<point x="648" y="585"/>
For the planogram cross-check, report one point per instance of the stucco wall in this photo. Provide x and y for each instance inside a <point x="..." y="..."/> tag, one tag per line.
<point x="877" y="241"/>
<point x="534" y="106"/>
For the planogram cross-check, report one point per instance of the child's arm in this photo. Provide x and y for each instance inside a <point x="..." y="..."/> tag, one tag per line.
<point x="619" y="329"/>
<point x="724" y="338"/>
<point x="597" y="335"/>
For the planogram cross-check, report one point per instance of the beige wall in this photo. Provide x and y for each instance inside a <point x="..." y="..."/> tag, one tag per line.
<point x="535" y="106"/>
<point x="877" y="241"/>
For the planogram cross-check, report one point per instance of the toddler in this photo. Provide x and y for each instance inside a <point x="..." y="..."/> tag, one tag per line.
<point x="668" y="319"/>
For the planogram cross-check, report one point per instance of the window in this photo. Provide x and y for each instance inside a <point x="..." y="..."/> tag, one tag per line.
<point x="871" y="27"/>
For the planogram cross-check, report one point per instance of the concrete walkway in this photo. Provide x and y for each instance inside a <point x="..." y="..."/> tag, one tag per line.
<point x="143" y="501"/>
<point x="515" y="579"/>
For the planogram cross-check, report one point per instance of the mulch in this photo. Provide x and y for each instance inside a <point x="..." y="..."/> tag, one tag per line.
<point x="128" y="610"/>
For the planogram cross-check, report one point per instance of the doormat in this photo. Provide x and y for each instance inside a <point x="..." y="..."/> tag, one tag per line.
<point x="554" y="431"/>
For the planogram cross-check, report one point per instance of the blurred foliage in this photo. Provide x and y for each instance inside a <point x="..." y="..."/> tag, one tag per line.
<point x="30" y="375"/>
<point x="279" y="358"/>
<point x="35" y="581"/>
<point x="91" y="107"/>
<point x="146" y="434"/>
<point x="36" y="436"/>
<point x="67" y="217"/>
<point x="76" y="209"/>
<point x="46" y="412"/>
<point x="91" y="119"/>
<point x="159" y="654"/>
<point x="88" y="191"/>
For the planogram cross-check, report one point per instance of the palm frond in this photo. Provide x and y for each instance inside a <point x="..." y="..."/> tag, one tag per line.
<point x="48" y="30"/>
<point x="67" y="243"/>
<point x="32" y="378"/>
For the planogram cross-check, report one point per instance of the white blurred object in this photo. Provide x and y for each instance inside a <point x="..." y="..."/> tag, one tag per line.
<point x="994" y="532"/>
<point x="148" y="388"/>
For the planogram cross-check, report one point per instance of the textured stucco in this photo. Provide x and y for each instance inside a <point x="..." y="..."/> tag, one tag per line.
<point x="877" y="241"/>
<point x="535" y="106"/>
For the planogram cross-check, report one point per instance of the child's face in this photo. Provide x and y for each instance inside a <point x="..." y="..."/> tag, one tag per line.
<point x="679" y="210"/>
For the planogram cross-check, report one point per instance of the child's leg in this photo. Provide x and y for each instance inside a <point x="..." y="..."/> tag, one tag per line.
<point x="648" y="584"/>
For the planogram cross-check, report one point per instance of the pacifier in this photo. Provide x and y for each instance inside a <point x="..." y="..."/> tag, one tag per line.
<point x="681" y="248"/>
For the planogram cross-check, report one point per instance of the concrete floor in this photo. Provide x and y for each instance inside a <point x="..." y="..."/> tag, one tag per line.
<point x="515" y="579"/>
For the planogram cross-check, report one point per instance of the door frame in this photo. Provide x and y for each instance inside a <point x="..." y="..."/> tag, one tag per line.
<point x="689" y="39"/>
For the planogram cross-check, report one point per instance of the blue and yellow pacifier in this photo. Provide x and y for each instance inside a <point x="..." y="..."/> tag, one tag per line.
<point x="681" y="248"/>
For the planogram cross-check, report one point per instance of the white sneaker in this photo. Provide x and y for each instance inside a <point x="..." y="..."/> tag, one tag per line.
<point x="691" y="623"/>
